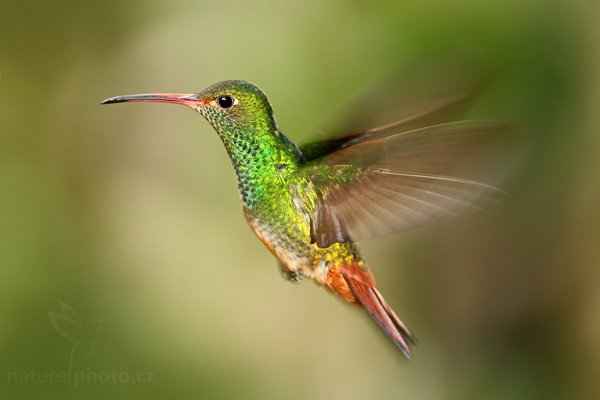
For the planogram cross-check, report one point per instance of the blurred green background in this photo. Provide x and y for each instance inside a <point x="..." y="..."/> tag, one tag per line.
<point x="132" y="213"/>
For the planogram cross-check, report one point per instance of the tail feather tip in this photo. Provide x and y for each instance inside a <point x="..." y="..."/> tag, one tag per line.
<point x="372" y="300"/>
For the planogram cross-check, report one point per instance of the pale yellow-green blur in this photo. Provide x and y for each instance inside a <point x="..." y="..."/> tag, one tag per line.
<point x="127" y="270"/>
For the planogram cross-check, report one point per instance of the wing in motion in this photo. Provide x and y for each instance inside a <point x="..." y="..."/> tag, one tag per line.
<point x="397" y="181"/>
<point x="398" y="107"/>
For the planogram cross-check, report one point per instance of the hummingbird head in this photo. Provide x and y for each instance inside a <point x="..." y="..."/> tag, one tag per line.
<point x="243" y="119"/>
<point x="229" y="106"/>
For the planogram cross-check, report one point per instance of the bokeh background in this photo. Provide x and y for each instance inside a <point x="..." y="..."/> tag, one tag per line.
<point x="130" y="214"/>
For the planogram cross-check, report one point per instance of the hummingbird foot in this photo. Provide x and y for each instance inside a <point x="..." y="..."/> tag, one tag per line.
<point x="292" y="275"/>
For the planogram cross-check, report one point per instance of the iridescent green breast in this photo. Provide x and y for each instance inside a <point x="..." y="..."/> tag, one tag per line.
<point x="279" y="210"/>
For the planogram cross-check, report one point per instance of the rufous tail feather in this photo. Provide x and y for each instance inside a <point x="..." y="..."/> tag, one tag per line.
<point x="363" y="288"/>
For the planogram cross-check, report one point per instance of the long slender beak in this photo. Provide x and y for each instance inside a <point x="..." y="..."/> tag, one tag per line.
<point x="187" y="99"/>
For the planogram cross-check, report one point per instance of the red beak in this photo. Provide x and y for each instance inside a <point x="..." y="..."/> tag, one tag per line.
<point x="187" y="99"/>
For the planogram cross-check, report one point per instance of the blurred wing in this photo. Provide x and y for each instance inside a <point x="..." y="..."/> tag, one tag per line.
<point x="398" y="107"/>
<point x="397" y="182"/>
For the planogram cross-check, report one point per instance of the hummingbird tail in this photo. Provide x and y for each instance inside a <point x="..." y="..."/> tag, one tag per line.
<point x="362" y="286"/>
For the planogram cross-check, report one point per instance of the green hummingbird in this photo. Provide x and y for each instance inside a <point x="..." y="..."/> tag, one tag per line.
<point x="310" y="204"/>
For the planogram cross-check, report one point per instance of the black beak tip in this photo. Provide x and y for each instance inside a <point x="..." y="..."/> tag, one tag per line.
<point x="110" y="101"/>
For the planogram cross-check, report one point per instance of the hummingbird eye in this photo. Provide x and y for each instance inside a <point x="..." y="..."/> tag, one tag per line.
<point x="226" y="101"/>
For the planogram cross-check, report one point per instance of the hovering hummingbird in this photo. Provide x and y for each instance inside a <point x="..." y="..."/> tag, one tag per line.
<point x="309" y="204"/>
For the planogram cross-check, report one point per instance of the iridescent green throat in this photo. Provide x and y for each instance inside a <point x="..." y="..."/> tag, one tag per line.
<point x="261" y="155"/>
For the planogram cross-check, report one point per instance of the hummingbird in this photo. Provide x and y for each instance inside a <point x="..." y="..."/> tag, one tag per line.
<point x="310" y="204"/>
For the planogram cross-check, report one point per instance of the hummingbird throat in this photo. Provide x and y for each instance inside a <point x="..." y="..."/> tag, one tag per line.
<point x="262" y="161"/>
